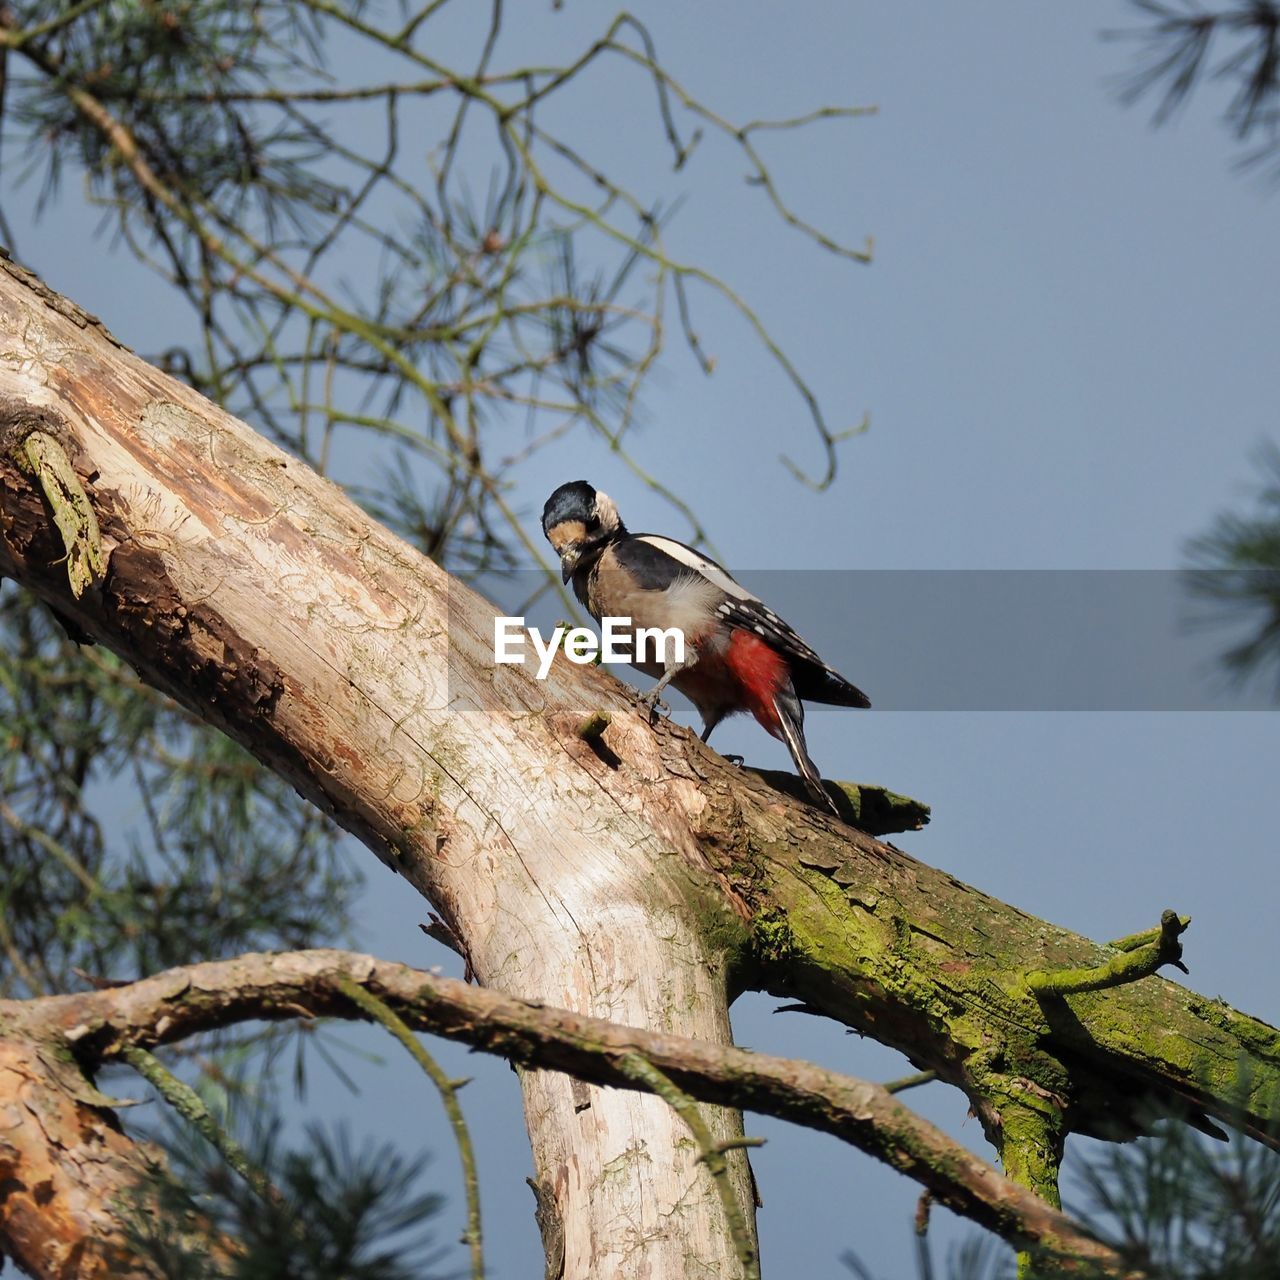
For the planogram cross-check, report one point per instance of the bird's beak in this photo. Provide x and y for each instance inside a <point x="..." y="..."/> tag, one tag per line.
<point x="569" y="563"/>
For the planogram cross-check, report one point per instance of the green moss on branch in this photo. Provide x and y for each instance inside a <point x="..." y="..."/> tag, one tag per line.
<point x="41" y="457"/>
<point x="873" y="809"/>
<point x="855" y="929"/>
<point x="1138" y="959"/>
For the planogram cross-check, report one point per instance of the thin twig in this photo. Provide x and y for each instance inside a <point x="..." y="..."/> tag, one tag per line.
<point x="188" y="1104"/>
<point x="382" y="1013"/>
<point x="711" y="1153"/>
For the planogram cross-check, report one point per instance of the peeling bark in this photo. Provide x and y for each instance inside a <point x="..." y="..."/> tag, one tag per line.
<point x="63" y="1165"/>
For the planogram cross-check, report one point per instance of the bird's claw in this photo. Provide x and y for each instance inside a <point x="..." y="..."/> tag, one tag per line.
<point x="655" y="705"/>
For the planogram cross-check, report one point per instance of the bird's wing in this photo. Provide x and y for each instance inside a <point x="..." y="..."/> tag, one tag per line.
<point x="638" y="578"/>
<point x="665" y="558"/>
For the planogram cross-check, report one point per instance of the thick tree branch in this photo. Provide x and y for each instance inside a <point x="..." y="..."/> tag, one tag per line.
<point x="101" y="1026"/>
<point x="268" y="604"/>
<point x="361" y="691"/>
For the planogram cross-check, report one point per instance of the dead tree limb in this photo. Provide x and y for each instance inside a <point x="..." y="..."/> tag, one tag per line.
<point x="645" y="884"/>
<point x="114" y="1023"/>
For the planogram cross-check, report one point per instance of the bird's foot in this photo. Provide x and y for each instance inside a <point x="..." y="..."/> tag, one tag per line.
<point x="656" y="707"/>
<point x="736" y="761"/>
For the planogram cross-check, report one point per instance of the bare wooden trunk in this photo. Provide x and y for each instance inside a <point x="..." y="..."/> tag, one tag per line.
<point x="257" y="594"/>
<point x="568" y="899"/>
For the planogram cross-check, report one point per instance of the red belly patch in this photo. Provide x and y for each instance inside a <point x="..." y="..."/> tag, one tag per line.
<point x="761" y="672"/>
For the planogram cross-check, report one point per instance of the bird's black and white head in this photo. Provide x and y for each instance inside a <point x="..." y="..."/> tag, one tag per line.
<point x="580" y="522"/>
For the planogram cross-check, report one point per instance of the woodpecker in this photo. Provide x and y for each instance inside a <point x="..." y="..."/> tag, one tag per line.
<point x="739" y="656"/>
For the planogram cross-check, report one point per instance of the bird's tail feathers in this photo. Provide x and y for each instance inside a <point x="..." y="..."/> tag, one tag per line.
<point x="791" y="724"/>
<point x="816" y="683"/>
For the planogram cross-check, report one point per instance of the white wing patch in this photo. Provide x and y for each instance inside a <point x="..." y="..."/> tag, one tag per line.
<point x="707" y="568"/>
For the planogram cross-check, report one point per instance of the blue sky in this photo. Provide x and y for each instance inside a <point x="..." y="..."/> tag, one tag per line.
<point x="1066" y="344"/>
